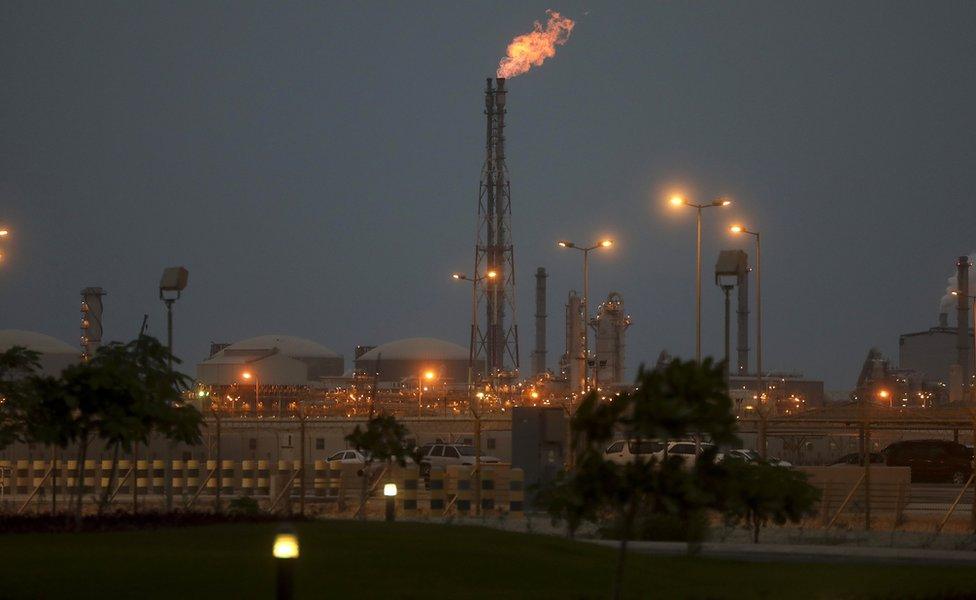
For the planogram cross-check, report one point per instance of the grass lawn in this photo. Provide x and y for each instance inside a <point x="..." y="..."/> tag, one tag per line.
<point x="410" y="560"/>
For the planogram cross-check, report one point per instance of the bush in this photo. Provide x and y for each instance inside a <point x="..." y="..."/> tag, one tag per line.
<point x="244" y="506"/>
<point x="756" y="494"/>
<point x="664" y="527"/>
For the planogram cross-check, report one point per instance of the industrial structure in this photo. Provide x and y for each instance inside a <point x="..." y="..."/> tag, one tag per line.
<point x="610" y="325"/>
<point x="939" y="359"/>
<point x="400" y="361"/>
<point x="54" y="355"/>
<point x="270" y="360"/>
<point x="539" y="354"/>
<point x="91" y="320"/>
<point x="732" y="269"/>
<point x="569" y="364"/>
<point x="496" y="340"/>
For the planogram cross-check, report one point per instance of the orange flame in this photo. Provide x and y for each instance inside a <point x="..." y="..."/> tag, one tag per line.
<point x="532" y="49"/>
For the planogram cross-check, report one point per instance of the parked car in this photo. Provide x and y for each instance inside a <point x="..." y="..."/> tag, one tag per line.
<point x="348" y="457"/>
<point x="622" y="452"/>
<point x="752" y="456"/>
<point x="441" y="455"/>
<point x="854" y="458"/>
<point x="743" y="454"/>
<point x="931" y="460"/>
<point x="686" y="451"/>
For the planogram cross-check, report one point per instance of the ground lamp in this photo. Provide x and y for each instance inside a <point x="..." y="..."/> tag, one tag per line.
<point x="390" y="492"/>
<point x="285" y="551"/>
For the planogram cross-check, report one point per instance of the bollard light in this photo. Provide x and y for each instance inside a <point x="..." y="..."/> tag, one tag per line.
<point x="285" y="551"/>
<point x="390" y="491"/>
<point x="285" y="546"/>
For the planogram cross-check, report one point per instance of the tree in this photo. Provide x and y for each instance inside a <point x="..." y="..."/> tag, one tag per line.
<point x="17" y="365"/>
<point x="383" y="440"/>
<point x="756" y="493"/>
<point x="142" y="396"/>
<point x="677" y="400"/>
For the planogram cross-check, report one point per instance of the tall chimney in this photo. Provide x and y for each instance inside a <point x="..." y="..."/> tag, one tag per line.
<point x="742" y="327"/>
<point x="962" y="317"/>
<point x="539" y="355"/>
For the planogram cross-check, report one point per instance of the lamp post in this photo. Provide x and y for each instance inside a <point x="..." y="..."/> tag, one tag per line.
<point x="681" y="201"/>
<point x="426" y="375"/>
<point x="760" y="392"/>
<point x="585" y="354"/>
<point x="171" y="286"/>
<point x="285" y="551"/>
<point x="474" y="404"/>
<point x="248" y="376"/>
<point x="390" y="492"/>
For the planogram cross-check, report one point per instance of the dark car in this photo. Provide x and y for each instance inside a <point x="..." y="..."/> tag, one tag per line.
<point x="854" y="458"/>
<point x="932" y="460"/>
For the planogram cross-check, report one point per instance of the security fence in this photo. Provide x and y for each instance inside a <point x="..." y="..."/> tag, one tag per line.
<point x="40" y="485"/>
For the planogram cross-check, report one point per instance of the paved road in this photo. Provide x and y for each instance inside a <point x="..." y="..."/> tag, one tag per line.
<point x="808" y="554"/>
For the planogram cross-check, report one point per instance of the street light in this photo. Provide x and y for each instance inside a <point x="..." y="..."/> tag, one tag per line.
<point x="429" y="376"/>
<point x="585" y="354"/>
<point x="248" y="376"/>
<point x="738" y="229"/>
<point x="678" y="201"/>
<point x="492" y="274"/>
<point x="285" y="551"/>
<point x="474" y="405"/>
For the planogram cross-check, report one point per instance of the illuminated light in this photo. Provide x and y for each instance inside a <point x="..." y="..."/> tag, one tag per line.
<point x="390" y="490"/>
<point x="492" y="274"/>
<point x="606" y="243"/>
<point x="246" y="375"/>
<point x="534" y="394"/>
<point x="285" y="546"/>
<point x="480" y="395"/>
<point x="736" y="229"/>
<point x="883" y="394"/>
<point x="457" y="275"/>
<point x="677" y="201"/>
<point x="4" y="233"/>
<point x="429" y="375"/>
<point x="564" y="244"/>
<point x="724" y="202"/>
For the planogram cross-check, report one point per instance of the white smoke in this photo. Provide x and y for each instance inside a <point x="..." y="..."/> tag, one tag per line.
<point x="949" y="301"/>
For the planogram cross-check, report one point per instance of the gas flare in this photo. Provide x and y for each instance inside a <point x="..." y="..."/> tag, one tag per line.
<point x="532" y="49"/>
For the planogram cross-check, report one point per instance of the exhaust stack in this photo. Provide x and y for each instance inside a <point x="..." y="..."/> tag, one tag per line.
<point x="539" y="356"/>
<point x="962" y="318"/>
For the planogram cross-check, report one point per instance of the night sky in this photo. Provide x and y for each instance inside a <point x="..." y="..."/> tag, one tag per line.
<point x="315" y="166"/>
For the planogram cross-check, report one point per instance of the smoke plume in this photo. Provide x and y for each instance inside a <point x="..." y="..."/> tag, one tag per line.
<point x="532" y="49"/>
<point x="948" y="302"/>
